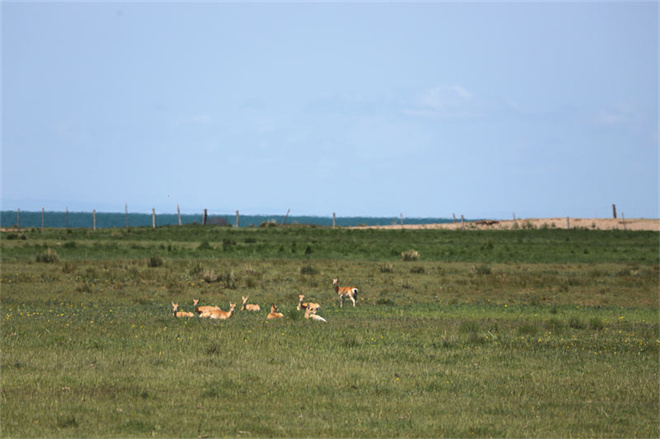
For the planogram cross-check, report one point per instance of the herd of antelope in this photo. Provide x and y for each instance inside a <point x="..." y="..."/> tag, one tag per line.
<point x="310" y="308"/>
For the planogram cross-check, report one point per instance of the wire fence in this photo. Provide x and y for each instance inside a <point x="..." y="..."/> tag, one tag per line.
<point x="93" y="220"/>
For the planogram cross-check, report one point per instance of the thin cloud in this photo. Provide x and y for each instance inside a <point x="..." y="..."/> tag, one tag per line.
<point x="445" y="101"/>
<point x="461" y="91"/>
<point x="621" y="114"/>
<point x="194" y="119"/>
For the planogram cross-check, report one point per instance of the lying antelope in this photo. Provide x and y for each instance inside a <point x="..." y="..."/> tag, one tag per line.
<point x="249" y="307"/>
<point x="310" y="313"/>
<point x="177" y="313"/>
<point x="273" y="313"/>
<point x="302" y="305"/>
<point x="218" y="313"/>
<point x="201" y="309"/>
<point x="344" y="292"/>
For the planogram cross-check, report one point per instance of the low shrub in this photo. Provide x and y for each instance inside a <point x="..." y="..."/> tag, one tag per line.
<point x="410" y="255"/>
<point x="11" y="236"/>
<point x="47" y="257"/>
<point x="596" y="323"/>
<point x="228" y="280"/>
<point x="69" y="268"/>
<point x="528" y="328"/>
<point x="155" y="261"/>
<point x="576" y="323"/>
<point x="209" y="276"/>
<point x="204" y="245"/>
<point x="386" y="268"/>
<point x="469" y="326"/>
<point x="554" y="324"/>
<point x="483" y="270"/>
<point x="307" y="269"/>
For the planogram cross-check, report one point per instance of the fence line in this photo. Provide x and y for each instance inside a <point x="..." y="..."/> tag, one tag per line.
<point x="67" y="219"/>
<point x="94" y="219"/>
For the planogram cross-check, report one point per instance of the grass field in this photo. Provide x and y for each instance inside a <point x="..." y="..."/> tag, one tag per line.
<point x="520" y="333"/>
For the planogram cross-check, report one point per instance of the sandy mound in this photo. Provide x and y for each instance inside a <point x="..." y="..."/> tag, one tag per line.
<point x="553" y="223"/>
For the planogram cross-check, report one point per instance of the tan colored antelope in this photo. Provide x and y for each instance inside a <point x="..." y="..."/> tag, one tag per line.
<point x="302" y="305"/>
<point x="310" y="313"/>
<point x="344" y="292"/>
<point x="177" y="313"/>
<point x="201" y="309"/>
<point x="218" y="313"/>
<point x="249" y="307"/>
<point x="273" y="313"/>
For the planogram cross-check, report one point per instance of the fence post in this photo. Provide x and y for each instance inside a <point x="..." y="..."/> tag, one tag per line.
<point x="94" y="219"/>
<point x="153" y="218"/>
<point x="286" y="216"/>
<point x="462" y="222"/>
<point x="204" y="217"/>
<point x="568" y="222"/>
<point x="178" y="211"/>
<point x="614" y="210"/>
<point x="454" y="215"/>
<point x="402" y="219"/>
<point x="43" y="219"/>
<point x="237" y="218"/>
<point x="334" y="220"/>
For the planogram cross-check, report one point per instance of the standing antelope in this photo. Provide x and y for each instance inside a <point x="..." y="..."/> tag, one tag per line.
<point x="202" y="309"/>
<point x="310" y="313"/>
<point x="249" y="307"/>
<point x="218" y="313"/>
<point x="344" y="292"/>
<point x="302" y="305"/>
<point x="177" y="313"/>
<point x="273" y="313"/>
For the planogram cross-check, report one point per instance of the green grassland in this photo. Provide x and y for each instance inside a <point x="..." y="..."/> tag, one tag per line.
<point x="516" y="333"/>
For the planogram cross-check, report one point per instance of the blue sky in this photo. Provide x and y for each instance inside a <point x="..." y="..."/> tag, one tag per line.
<point x="363" y="109"/>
